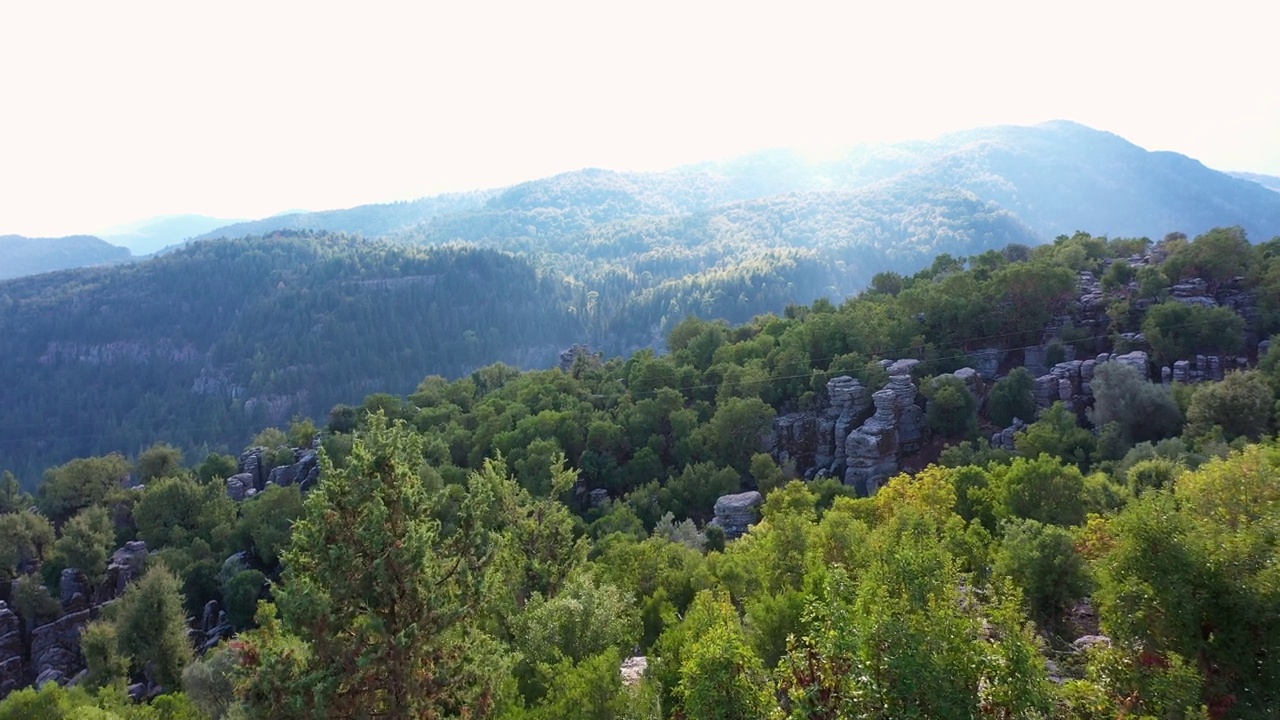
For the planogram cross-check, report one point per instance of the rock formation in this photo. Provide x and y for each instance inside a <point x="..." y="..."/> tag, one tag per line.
<point x="735" y="513"/>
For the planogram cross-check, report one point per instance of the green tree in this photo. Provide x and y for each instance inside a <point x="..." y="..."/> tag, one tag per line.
<point x="1042" y="489"/>
<point x="1241" y="405"/>
<point x="173" y="511"/>
<point x="266" y="521"/>
<point x="216" y="466"/>
<point x="12" y="497"/>
<point x="1177" y="331"/>
<point x="398" y="566"/>
<point x="1143" y="411"/>
<point x="100" y="646"/>
<point x="1011" y="397"/>
<point x="80" y="483"/>
<point x="1056" y="433"/>
<point x="86" y="543"/>
<point x="159" y="461"/>
<point x="25" y="540"/>
<point x="1042" y="560"/>
<point x="151" y="626"/>
<point x="952" y="410"/>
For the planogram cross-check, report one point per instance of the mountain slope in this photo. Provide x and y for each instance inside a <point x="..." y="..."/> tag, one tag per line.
<point x="377" y="220"/>
<point x="21" y="255"/>
<point x="154" y="234"/>
<point x="1056" y="177"/>
<point x="1270" y="182"/>
<point x="218" y="339"/>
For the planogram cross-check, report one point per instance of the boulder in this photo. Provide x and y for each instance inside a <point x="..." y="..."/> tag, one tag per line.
<point x="735" y="513"/>
<point x="239" y="485"/>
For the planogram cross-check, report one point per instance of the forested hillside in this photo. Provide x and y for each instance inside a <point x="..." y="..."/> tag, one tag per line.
<point x="1055" y="178"/>
<point x="1026" y="483"/>
<point x="28" y="256"/>
<point x="214" y="341"/>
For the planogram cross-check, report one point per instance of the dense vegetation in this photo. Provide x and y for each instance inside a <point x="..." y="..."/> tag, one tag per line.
<point x="229" y="337"/>
<point x="458" y="557"/>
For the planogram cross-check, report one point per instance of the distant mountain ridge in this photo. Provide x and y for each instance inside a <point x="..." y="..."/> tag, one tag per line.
<point x="1056" y="177"/>
<point x="154" y="234"/>
<point x="1270" y="182"/>
<point x="20" y="255"/>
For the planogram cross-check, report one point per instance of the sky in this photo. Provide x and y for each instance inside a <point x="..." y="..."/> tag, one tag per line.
<point x="114" y="112"/>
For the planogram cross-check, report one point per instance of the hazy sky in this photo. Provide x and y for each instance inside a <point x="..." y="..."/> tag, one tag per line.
<point x="116" y="111"/>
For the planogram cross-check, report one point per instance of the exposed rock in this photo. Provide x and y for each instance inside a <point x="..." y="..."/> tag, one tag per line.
<point x="125" y="566"/>
<point x="1004" y="440"/>
<point x="1045" y="390"/>
<point x="307" y="470"/>
<point x="633" y="669"/>
<point x="987" y="361"/>
<point x="284" y="475"/>
<point x="239" y="485"/>
<point x="1137" y="360"/>
<point x="597" y="497"/>
<point x="209" y="618"/>
<point x="73" y="587"/>
<point x="735" y="513"/>
<point x="872" y="450"/>
<point x="795" y="438"/>
<point x="850" y="407"/>
<point x="578" y="350"/>
<point x="971" y="379"/>
<point x="12" y="663"/>
<point x="1089" y="642"/>
<point x="902" y="367"/>
<point x="55" y="647"/>
<point x="251" y="462"/>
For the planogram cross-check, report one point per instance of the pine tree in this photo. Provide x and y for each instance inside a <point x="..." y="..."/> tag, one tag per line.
<point x="378" y="603"/>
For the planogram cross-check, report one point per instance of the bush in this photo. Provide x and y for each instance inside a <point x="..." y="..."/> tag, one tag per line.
<point x="1143" y="411"/>
<point x="1012" y="398"/>
<point x="953" y="409"/>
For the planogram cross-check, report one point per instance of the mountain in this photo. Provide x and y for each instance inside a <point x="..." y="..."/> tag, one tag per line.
<point x="21" y="255"/>
<point x="1056" y="178"/>
<point x="292" y="314"/>
<point x="1270" y="182"/>
<point x="154" y="234"/>
<point x="377" y="220"/>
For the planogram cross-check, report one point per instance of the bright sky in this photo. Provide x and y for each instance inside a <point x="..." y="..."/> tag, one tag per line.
<point x="115" y="111"/>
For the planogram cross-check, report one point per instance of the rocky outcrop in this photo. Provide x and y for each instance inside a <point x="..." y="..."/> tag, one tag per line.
<point x="240" y="486"/>
<point x="125" y="566"/>
<point x="13" y="668"/>
<point x="1004" y="440"/>
<point x="252" y="462"/>
<point x="987" y="361"/>
<point x="73" y="587"/>
<point x="55" y="648"/>
<point x="633" y="669"/>
<point x="735" y="513"/>
<point x="850" y="407"/>
<point x="872" y="451"/>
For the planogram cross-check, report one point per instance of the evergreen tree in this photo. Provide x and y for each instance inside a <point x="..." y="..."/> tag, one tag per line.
<point x="378" y="606"/>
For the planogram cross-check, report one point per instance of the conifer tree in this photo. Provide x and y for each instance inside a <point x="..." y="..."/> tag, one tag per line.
<point x="378" y="604"/>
